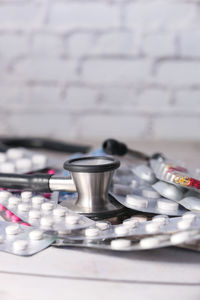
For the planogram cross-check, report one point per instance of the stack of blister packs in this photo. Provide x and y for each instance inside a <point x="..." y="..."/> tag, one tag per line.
<point x="163" y="202"/>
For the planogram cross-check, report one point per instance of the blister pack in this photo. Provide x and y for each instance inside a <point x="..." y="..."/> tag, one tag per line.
<point x="160" y="224"/>
<point x="135" y="244"/>
<point x="42" y="213"/>
<point x="173" y="174"/>
<point x="22" y="240"/>
<point x="21" y="160"/>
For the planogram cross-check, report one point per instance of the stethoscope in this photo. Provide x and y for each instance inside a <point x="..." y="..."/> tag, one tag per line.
<point x="90" y="177"/>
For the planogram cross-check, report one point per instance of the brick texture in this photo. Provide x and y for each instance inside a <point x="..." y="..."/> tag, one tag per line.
<point x="88" y="70"/>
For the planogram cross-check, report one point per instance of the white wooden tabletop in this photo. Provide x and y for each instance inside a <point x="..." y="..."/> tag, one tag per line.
<point x="58" y="273"/>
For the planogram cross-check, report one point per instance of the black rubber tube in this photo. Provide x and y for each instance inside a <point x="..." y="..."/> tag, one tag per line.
<point x="36" y="182"/>
<point x="42" y="143"/>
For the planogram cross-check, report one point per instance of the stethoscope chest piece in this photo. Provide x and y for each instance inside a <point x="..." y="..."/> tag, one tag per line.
<point x="92" y="177"/>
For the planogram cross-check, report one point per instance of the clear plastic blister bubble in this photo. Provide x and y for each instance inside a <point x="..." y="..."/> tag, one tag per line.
<point x="21" y="160"/>
<point x="192" y="203"/>
<point x="22" y="240"/>
<point x="133" y="244"/>
<point x="160" y="224"/>
<point x="42" y="213"/>
<point x="150" y="205"/>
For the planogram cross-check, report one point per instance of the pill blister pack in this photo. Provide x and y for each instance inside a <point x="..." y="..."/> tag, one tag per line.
<point x="135" y="244"/>
<point x="176" y="175"/>
<point x="42" y="213"/>
<point x="8" y="216"/>
<point x="20" y="160"/>
<point x="160" y="224"/>
<point x="23" y="240"/>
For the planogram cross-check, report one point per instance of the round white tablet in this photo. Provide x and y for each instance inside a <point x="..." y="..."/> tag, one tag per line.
<point x="72" y="219"/>
<point x="150" y="193"/>
<point x="12" y="229"/>
<point x="2" y="157"/>
<point x="23" y="165"/>
<point x="137" y="201"/>
<point x="131" y="223"/>
<point x="47" y="206"/>
<point x="120" y="244"/>
<point x="59" y="212"/>
<point x="90" y="232"/>
<point x="20" y="245"/>
<point x="7" y="167"/>
<point x="34" y="214"/>
<point x="26" y="195"/>
<point x="46" y="222"/>
<point x="39" y="160"/>
<point x="140" y="218"/>
<point x="151" y="242"/>
<point x="189" y="216"/>
<point x="121" y="230"/>
<point x="102" y="225"/>
<point x="4" y="195"/>
<point x="180" y="237"/>
<point x="36" y="235"/>
<point x="23" y="207"/>
<point x="161" y="219"/>
<point x="15" y="153"/>
<point x="13" y="201"/>
<point x="37" y="200"/>
<point x="168" y="205"/>
<point x="184" y="224"/>
<point x="152" y="227"/>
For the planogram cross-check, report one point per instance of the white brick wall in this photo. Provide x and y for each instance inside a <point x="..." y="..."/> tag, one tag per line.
<point x="88" y="70"/>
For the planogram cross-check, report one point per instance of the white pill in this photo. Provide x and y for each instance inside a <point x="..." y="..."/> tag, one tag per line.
<point x="102" y="225"/>
<point x="151" y="242"/>
<point x="4" y="195"/>
<point x="23" y="165"/>
<point x="189" y="216"/>
<point x="13" y="201"/>
<point x="7" y="167"/>
<point x="140" y="218"/>
<point x="36" y="235"/>
<point x="137" y="201"/>
<point x="152" y="227"/>
<point x="120" y="244"/>
<point x="39" y="160"/>
<point x="165" y="204"/>
<point x="92" y="232"/>
<point x="20" y="245"/>
<point x="47" y="206"/>
<point x="23" y="207"/>
<point x="131" y="223"/>
<point x="72" y="219"/>
<point x="26" y="195"/>
<point x="184" y="224"/>
<point x="121" y="230"/>
<point x="12" y="229"/>
<point x="161" y="219"/>
<point x="150" y="193"/>
<point x="34" y="214"/>
<point x="180" y="237"/>
<point x="37" y="200"/>
<point x="15" y="153"/>
<point x="145" y="173"/>
<point x="2" y="157"/>
<point x="59" y="212"/>
<point x="46" y="222"/>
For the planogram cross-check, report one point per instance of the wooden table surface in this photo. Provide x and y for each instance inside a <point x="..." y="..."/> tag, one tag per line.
<point x="60" y="273"/>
